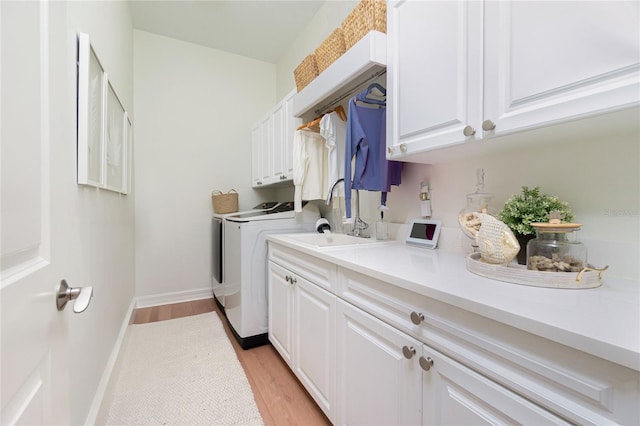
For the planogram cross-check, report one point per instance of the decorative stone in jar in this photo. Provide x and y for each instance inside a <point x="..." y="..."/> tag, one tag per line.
<point x="555" y="248"/>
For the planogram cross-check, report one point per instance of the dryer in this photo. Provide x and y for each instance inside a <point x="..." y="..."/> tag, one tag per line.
<point x="245" y="266"/>
<point x="217" y="249"/>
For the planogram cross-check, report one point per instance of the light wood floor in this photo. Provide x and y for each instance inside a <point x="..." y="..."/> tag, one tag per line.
<point x="279" y="395"/>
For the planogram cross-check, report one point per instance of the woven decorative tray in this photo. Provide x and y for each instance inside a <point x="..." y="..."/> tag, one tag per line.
<point x="518" y="274"/>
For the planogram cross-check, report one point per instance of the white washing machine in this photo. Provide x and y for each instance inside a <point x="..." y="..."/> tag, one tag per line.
<point x="217" y="249"/>
<point x="245" y="266"/>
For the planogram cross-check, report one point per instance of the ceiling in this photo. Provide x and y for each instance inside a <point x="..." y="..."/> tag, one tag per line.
<point x="260" y="29"/>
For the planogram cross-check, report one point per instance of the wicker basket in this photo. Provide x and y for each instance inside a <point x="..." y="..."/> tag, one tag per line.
<point x="368" y="15"/>
<point x="331" y="49"/>
<point x="306" y="72"/>
<point x="225" y="203"/>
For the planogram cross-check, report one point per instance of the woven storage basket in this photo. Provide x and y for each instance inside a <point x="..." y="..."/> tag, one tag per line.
<point x="331" y="49"/>
<point x="306" y="71"/>
<point x="368" y="15"/>
<point x="225" y="203"/>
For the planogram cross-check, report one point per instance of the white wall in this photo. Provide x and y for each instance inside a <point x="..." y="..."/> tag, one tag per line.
<point x="597" y="175"/>
<point x="194" y="109"/>
<point x="102" y="220"/>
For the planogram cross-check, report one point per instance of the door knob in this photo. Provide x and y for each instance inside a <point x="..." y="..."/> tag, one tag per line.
<point x="81" y="295"/>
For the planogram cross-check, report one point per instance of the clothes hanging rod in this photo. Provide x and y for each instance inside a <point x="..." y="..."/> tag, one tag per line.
<point x="349" y="92"/>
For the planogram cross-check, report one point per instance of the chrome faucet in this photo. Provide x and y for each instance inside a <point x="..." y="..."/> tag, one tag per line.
<point x="330" y="194"/>
<point x="359" y="225"/>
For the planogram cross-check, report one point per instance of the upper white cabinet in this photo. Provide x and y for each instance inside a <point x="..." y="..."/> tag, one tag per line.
<point x="551" y="61"/>
<point x="256" y="155"/>
<point x="434" y="74"/>
<point x="272" y="145"/>
<point x="464" y="70"/>
<point x="290" y="125"/>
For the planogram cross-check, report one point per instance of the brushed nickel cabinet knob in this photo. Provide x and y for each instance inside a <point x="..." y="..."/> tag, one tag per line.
<point x="426" y="363"/>
<point x="417" y="317"/>
<point x="488" y="125"/>
<point x="468" y="131"/>
<point x="408" y="351"/>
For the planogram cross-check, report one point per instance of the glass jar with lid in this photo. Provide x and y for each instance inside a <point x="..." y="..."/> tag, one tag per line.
<point x="556" y="248"/>
<point x="477" y="202"/>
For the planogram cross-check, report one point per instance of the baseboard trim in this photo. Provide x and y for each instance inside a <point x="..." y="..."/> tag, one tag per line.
<point x="174" y="297"/>
<point x="108" y="369"/>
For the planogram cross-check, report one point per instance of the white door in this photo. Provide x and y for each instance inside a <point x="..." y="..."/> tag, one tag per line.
<point x="34" y="241"/>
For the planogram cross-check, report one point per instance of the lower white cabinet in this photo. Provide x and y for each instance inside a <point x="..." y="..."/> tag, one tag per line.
<point x="371" y="353"/>
<point x="302" y="329"/>
<point x="281" y="313"/>
<point x="386" y="377"/>
<point x="456" y="395"/>
<point x="376" y="384"/>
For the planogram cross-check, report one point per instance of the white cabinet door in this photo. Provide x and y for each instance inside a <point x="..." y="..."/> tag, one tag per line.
<point x="434" y="74"/>
<point x="456" y="395"/>
<point x="281" y="301"/>
<point x="272" y="144"/>
<point x="256" y="156"/>
<point x="464" y="70"/>
<point x="315" y="336"/>
<point x="553" y="61"/>
<point x="291" y="125"/>
<point x="266" y="128"/>
<point x="277" y="147"/>
<point x="376" y="384"/>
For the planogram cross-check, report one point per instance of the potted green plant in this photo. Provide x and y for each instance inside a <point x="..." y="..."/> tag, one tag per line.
<point x="528" y="207"/>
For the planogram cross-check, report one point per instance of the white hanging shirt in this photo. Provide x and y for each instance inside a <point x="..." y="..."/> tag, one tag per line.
<point x="334" y="131"/>
<point x="309" y="167"/>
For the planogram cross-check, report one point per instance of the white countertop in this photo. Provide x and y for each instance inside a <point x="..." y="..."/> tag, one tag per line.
<point x="603" y="321"/>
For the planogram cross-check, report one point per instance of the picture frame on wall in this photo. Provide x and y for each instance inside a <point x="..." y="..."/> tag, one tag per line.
<point x="91" y="94"/>
<point x="104" y="127"/>
<point x="114" y="138"/>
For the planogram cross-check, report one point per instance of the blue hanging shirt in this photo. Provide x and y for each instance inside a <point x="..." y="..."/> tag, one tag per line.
<point x="366" y="140"/>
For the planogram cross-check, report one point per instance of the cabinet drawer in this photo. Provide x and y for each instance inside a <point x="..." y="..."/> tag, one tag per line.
<point x="455" y="395"/>
<point x="318" y="271"/>
<point x="572" y="384"/>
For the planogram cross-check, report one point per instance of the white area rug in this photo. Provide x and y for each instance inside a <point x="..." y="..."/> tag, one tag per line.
<point x="179" y="372"/>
